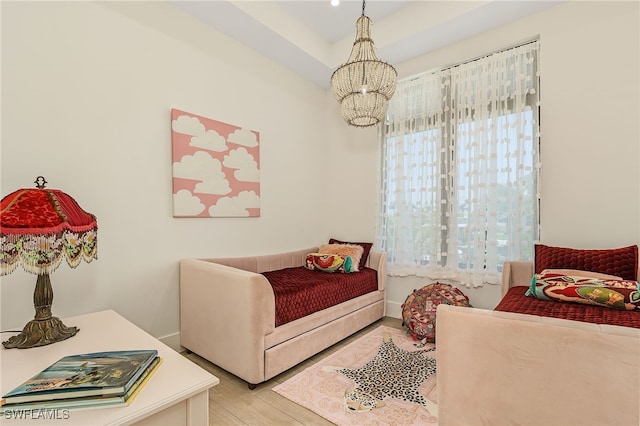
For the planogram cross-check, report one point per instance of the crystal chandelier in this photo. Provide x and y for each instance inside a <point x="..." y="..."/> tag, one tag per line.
<point x="363" y="85"/>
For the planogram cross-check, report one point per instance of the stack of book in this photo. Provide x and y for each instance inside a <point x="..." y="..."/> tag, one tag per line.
<point x="94" y="380"/>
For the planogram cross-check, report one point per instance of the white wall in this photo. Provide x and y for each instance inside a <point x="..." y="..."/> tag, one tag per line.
<point x="86" y="94"/>
<point x="87" y="90"/>
<point x="590" y="135"/>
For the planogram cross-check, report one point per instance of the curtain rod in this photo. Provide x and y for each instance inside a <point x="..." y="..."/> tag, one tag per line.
<point x="448" y="67"/>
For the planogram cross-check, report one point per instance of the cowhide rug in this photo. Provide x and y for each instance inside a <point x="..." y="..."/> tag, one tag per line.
<point x="381" y="378"/>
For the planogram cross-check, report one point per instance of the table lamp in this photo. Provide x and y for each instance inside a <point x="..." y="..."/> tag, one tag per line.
<point x="38" y="228"/>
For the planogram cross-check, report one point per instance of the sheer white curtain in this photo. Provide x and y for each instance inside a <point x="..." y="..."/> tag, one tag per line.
<point x="460" y="165"/>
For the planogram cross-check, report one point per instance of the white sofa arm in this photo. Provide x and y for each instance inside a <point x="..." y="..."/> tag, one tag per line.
<point x="225" y="313"/>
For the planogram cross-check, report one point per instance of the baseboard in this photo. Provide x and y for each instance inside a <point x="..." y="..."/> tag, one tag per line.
<point x="394" y="309"/>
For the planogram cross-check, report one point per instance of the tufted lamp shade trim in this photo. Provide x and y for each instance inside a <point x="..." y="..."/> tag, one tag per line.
<point x="39" y="227"/>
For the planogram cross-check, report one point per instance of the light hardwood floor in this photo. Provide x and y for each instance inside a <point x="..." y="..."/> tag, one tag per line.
<point x="232" y="403"/>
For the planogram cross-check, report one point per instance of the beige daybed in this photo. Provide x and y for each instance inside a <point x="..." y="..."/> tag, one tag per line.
<point x="505" y="368"/>
<point x="227" y="314"/>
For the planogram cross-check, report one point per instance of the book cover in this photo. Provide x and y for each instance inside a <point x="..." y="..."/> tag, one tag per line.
<point x="142" y="380"/>
<point x="92" y="374"/>
<point x="84" y="403"/>
<point x="89" y="402"/>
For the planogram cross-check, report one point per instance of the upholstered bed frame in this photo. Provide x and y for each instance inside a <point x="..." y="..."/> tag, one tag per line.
<point x="505" y="368"/>
<point x="227" y="314"/>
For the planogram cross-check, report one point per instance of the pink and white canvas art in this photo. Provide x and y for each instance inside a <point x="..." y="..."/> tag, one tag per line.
<point x="216" y="168"/>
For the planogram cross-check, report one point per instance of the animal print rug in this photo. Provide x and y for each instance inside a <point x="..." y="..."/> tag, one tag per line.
<point x="381" y="378"/>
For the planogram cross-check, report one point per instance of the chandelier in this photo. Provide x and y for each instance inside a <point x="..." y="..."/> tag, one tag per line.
<point x="363" y="85"/>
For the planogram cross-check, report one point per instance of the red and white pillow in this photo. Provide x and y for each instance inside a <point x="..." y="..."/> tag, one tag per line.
<point x="329" y="263"/>
<point x="352" y="250"/>
<point x="602" y="277"/>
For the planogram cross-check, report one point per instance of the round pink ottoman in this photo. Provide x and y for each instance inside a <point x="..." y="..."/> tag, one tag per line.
<point x="419" y="309"/>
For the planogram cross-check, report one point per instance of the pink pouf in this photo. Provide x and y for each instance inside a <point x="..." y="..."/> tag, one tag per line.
<point x="419" y="309"/>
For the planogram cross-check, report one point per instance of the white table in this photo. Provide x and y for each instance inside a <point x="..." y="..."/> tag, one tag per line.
<point x="176" y="394"/>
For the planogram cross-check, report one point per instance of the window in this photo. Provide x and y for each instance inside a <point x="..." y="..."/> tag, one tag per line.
<point x="460" y="169"/>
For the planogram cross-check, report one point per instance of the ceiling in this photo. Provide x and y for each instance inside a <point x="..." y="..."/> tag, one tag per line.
<point x="312" y="38"/>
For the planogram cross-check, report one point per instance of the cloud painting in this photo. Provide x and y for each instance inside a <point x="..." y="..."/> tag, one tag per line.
<point x="216" y="168"/>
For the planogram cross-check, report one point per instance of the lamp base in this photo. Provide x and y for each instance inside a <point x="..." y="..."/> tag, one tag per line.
<point x="41" y="332"/>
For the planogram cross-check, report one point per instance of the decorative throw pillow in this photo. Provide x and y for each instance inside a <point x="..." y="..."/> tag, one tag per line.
<point x="621" y="262"/>
<point x="579" y="273"/>
<point x="419" y="309"/>
<point x="329" y="263"/>
<point x="616" y="294"/>
<point x="344" y="250"/>
<point x="366" y="248"/>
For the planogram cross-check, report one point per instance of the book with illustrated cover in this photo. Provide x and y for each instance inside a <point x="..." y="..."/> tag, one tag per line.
<point x="88" y="402"/>
<point x="94" y="374"/>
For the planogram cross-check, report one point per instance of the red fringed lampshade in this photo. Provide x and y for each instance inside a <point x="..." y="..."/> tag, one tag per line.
<point x="38" y="228"/>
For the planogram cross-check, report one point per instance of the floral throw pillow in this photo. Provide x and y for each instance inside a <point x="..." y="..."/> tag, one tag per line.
<point x="351" y="250"/>
<point x="615" y="294"/>
<point x="329" y="263"/>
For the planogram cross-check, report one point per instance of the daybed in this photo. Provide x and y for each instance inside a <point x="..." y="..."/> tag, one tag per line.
<point x="499" y="368"/>
<point x="228" y="312"/>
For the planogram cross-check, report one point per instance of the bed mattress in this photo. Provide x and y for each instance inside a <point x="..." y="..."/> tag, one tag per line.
<point x="516" y="301"/>
<point x="299" y="291"/>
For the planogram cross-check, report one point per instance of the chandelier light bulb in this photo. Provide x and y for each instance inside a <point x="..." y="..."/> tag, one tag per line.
<point x="335" y="2"/>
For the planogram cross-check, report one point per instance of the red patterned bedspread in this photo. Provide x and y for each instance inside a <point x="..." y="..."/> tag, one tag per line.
<point x="300" y="292"/>
<point x="516" y="301"/>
